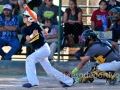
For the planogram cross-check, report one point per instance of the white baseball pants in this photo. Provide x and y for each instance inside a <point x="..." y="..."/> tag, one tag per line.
<point x="41" y="55"/>
<point x="111" y="66"/>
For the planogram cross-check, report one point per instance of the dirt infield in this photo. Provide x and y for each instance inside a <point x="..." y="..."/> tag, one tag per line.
<point x="48" y="83"/>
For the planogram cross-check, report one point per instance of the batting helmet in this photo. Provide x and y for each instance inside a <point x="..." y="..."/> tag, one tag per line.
<point x="30" y="19"/>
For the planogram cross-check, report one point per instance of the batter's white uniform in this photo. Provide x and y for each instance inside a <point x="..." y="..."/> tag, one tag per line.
<point x="41" y="55"/>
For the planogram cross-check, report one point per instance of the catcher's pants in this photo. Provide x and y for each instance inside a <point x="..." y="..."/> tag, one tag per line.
<point x="111" y="66"/>
<point x="41" y="55"/>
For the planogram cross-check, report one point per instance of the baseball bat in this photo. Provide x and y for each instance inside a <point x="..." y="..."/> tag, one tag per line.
<point x="32" y="15"/>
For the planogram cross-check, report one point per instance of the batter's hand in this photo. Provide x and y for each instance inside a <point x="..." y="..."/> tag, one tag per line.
<point x="28" y="38"/>
<point x="35" y="32"/>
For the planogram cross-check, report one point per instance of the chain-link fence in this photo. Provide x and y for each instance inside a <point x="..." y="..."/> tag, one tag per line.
<point x="76" y="19"/>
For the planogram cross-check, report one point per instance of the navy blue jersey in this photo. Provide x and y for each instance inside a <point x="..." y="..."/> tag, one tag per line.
<point x="28" y="30"/>
<point x="116" y="31"/>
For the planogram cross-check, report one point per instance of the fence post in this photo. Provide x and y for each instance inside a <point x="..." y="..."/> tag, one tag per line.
<point x="59" y="32"/>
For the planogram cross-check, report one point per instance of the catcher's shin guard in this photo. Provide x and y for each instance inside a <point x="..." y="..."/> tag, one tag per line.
<point x="87" y="76"/>
<point x="86" y="79"/>
<point x="112" y="78"/>
<point x="108" y="75"/>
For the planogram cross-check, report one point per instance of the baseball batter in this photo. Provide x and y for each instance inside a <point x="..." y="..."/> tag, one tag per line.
<point x="33" y="35"/>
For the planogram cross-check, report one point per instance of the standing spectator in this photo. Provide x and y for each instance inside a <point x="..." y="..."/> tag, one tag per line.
<point x="112" y="4"/>
<point x="51" y="35"/>
<point x="34" y="3"/>
<point x="96" y="19"/>
<point x="8" y="28"/>
<point x="72" y="19"/>
<point x="50" y="11"/>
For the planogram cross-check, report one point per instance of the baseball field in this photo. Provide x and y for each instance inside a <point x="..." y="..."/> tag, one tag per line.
<point x="48" y="83"/>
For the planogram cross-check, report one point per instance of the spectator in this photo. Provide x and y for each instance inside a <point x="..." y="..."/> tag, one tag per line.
<point x="8" y="28"/>
<point x="115" y="18"/>
<point x="18" y="10"/>
<point x="49" y="7"/>
<point x="52" y="34"/>
<point x="72" y="19"/>
<point x="13" y="3"/>
<point x="97" y="16"/>
<point x="112" y="4"/>
<point x="34" y="3"/>
<point x="3" y="2"/>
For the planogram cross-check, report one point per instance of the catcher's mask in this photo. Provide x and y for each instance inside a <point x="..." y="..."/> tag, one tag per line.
<point x="114" y="14"/>
<point x="88" y="35"/>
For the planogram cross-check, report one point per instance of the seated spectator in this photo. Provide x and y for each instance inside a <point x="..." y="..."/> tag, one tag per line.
<point x="50" y="11"/>
<point x="34" y="3"/>
<point x="115" y="19"/>
<point x="13" y="3"/>
<point x="3" y="2"/>
<point x="18" y="10"/>
<point x="52" y="34"/>
<point x="99" y="20"/>
<point x="8" y="28"/>
<point x="72" y="20"/>
<point x="112" y="4"/>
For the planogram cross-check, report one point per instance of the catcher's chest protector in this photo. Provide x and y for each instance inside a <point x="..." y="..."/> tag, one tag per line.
<point x="100" y="58"/>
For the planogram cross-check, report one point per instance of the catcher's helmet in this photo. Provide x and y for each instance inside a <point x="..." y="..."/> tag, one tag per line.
<point x="115" y="11"/>
<point x="30" y="19"/>
<point x="88" y="35"/>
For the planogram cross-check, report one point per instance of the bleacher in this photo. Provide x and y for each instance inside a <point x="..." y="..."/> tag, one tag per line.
<point x="65" y="54"/>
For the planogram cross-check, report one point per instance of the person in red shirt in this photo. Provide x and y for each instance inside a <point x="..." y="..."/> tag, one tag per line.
<point x="99" y="20"/>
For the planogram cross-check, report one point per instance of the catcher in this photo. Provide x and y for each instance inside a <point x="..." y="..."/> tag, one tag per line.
<point x="107" y="58"/>
<point x="33" y="35"/>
